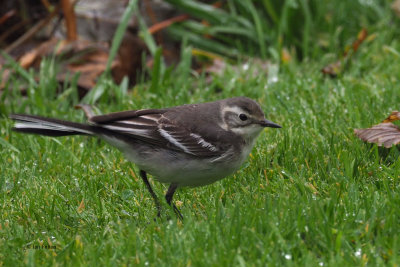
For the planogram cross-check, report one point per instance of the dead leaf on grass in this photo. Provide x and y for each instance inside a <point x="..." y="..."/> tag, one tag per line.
<point x="87" y="58"/>
<point x="81" y="206"/>
<point x="384" y="134"/>
<point x="396" y="7"/>
<point x="335" y="68"/>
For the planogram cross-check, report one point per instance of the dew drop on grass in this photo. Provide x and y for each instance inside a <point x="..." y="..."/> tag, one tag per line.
<point x="358" y="253"/>
<point x="125" y="213"/>
<point x="288" y="256"/>
<point x="273" y="74"/>
<point x="8" y="185"/>
<point x="367" y="3"/>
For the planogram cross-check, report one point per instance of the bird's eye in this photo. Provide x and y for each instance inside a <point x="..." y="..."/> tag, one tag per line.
<point x="243" y="117"/>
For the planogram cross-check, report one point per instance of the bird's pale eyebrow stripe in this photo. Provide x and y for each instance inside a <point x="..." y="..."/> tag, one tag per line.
<point x="203" y="142"/>
<point x="172" y="140"/>
<point x="234" y="109"/>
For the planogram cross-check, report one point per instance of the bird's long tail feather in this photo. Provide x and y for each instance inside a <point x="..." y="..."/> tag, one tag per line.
<point x="48" y="126"/>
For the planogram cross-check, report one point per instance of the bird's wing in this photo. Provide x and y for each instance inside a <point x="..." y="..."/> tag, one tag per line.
<point x="153" y="127"/>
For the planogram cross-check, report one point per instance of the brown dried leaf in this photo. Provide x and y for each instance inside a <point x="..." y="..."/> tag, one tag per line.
<point x="87" y="58"/>
<point x="90" y="66"/>
<point x="396" y="7"/>
<point x="286" y="57"/>
<point x="166" y="23"/>
<point x="384" y="134"/>
<point x="81" y="206"/>
<point x="361" y="36"/>
<point x="333" y="69"/>
<point x="34" y="56"/>
<point x="394" y="116"/>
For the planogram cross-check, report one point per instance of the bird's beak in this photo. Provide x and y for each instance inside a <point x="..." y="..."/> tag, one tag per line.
<point x="267" y="123"/>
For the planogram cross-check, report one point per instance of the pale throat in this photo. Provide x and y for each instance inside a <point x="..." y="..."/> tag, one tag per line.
<point x="248" y="133"/>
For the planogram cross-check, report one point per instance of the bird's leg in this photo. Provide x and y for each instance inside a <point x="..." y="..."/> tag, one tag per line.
<point x="168" y="197"/>
<point x="156" y="201"/>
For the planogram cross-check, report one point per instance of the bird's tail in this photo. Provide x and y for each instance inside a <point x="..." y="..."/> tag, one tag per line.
<point x="48" y="126"/>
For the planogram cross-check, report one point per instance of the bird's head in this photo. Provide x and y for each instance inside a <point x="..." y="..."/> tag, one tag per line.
<point x="244" y="117"/>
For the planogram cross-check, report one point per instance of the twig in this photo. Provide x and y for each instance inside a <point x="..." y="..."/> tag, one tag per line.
<point x="13" y="28"/>
<point x="29" y="34"/>
<point x="70" y="19"/>
<point x="47" y="4"/>
<point x="164" y="24"/>
<point x="8" y="15"/>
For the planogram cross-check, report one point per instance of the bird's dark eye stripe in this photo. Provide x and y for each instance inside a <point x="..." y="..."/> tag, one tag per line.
<point x="243" y="117"/>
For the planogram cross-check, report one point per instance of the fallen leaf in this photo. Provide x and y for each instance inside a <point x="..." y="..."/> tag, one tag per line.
<point x="396" y="7"/>
<point x="87" y="58"/>
<point x="394" y="116"/>
<point x="34" y="56"/>
<point x="362" y="35"/>
<point x="285" y="56"/>
<point x="334" y="69"/>
<point x="81" y="206"/>
<point x="384" y="134"/>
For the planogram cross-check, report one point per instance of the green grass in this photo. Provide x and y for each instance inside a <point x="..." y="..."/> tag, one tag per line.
<point x="240" y="28"/>
<point x="311" y="194"/>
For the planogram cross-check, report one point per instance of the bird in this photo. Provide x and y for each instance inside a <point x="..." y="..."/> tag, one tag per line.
<point x="183" y="146"/>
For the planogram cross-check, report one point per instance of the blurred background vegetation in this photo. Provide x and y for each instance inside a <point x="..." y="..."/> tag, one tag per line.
<point x="307" y="28"/>
<point x="154" y="32"/>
